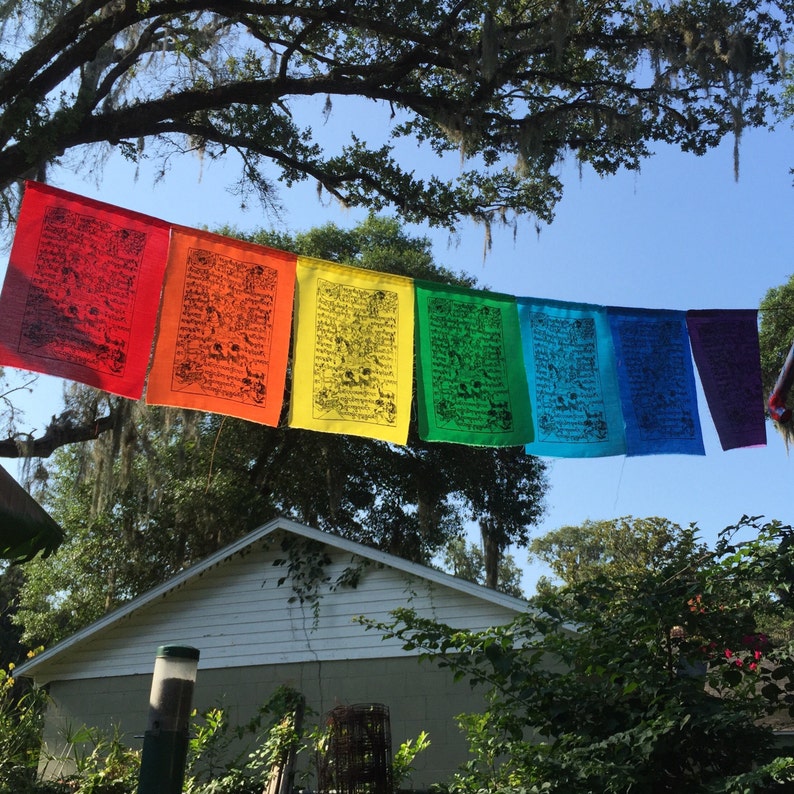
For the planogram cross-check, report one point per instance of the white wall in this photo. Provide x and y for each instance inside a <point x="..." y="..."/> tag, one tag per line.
<point x="419" y="696"/>
<point x="237" y="611"/>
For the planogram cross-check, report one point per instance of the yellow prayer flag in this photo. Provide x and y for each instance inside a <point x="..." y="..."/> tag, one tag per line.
<point x="353" y="351"/>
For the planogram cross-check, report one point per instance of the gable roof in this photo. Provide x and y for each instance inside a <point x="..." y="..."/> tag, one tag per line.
<point x="484" y="594"/>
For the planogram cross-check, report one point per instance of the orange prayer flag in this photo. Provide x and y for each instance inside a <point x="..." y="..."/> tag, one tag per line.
<point x="82" y="288"/>
<point x="224" y="332"/>
<point x="353" y="351"/>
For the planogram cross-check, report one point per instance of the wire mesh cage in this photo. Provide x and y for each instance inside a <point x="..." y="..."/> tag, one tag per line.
<point x="358" y="759"/>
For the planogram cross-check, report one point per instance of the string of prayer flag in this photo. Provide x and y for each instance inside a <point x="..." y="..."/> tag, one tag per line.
<point x="573" y="385"/>
<point x="471" y="384"/>
<point x="82" y="290"/>
<point x="352" y="351"/>
<point x="224" y="329"/>
<point x="83" y="287"/>
<point x="657" y="382"/>
<point x="728" y="357"/>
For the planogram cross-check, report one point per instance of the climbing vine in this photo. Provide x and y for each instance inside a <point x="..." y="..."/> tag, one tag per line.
<point x="306" y="562"/>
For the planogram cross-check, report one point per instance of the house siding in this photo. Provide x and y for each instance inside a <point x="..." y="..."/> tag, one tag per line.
<point x="420" y="696"/>
<point x="254" y="635"/>
<point x="237" y="613"/>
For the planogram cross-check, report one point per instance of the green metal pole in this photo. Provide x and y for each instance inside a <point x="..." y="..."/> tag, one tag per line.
<point x="166" y="739"/>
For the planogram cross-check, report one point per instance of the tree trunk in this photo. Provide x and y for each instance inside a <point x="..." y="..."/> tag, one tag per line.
<point x="55" y="436"/>
<point x="492" y="553"/>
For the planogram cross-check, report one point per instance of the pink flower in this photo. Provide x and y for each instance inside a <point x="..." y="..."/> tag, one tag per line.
<point x="755" y="641"/>
<point x="728" y="653"/>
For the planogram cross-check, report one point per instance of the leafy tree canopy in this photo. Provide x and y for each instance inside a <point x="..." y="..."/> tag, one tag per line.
<point x="621" y="548"/>
<point x="776" y="331"/>
<point x="467" y="561"/>
<point x="11" y="579"/>
<point x="675" y="691"/>
<point x="776" y="336"/>
<point x="509" y="88"/>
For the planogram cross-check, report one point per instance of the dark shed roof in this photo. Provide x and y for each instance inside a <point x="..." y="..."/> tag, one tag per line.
<point x="25" y="526"/>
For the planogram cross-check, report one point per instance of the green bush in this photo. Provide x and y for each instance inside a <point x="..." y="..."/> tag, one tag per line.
<point x="103" y="764"/>
<point x="21" y="717"/>
<point x="222" y="759"/>
<point x="266" y="741"/>
<point x="655" y="683"/>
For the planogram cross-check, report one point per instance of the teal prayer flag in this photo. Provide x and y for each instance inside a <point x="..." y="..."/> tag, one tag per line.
<point x="573" y="387"/>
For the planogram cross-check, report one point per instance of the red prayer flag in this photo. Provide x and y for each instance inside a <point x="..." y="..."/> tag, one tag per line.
<point x="224" y="332"/>
<point x="81" y="293"/>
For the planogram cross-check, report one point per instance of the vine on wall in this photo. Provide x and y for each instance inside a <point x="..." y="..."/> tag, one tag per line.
<point x="306" y="562"/>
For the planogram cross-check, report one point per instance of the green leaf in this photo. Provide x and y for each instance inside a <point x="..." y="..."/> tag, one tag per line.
<point x="732" y="675"/>
<point x="771" y="691"/>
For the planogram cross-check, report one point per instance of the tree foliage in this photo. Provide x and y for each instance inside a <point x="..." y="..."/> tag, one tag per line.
<point x="776" y="336"/>
<point x="11" y="579"/>
<point x="467" y="561"/>
<point x="674" y="691"/>
<point x="165" y="487"/>
<point x="510" y="88"/>
<point x="619" y="548"/>
<point x="776" y="331"/>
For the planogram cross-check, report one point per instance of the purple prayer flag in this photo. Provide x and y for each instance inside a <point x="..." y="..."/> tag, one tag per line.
<point x="657" y="382"/>
<point x="727" y="354"/>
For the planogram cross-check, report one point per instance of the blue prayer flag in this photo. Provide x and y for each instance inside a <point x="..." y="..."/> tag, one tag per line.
<point x="657" y="381"/>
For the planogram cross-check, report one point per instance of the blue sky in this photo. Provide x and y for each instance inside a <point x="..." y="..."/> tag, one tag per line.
<point x="681" y="234"/>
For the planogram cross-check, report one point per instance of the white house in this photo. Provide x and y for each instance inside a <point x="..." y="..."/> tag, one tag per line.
<point x="261" y="619"/>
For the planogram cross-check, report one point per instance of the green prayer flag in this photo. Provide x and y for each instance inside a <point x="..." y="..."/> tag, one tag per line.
<point x="471" y="383"/>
